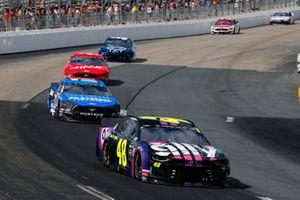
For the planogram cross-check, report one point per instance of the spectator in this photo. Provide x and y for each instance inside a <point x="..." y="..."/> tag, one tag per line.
<point x="134" y="13"/>
<point x="2" y="28"/>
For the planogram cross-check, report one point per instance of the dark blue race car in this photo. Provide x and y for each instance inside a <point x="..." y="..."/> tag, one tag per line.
<point x="162" y="150"/>
<point x="75" y="99"/>
<point x="118" y="48"/>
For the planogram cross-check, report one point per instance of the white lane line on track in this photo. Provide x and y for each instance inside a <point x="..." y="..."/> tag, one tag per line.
<point x="26" y="105"/>
<point x="264" y="198"/>
<point x="95" y="192"/>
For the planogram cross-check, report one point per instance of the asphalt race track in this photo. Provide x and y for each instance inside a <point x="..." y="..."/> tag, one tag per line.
<point x="241" y="91"/>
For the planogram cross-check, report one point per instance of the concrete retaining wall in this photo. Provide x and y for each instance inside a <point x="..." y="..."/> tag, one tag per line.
<point x="35" y="40"/>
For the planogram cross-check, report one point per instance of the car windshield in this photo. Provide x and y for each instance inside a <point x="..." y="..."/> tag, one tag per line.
<point x="87" y="61"/>
<point x="173" y="134"/>
<point x="118" y="42"/>
<point x="282" y="14"/>
<point x="224" y="22"/>
<point x="86" y="89"/>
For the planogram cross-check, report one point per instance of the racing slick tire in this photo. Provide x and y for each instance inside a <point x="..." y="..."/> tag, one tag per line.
<point x="137" y="167"/>
<point x="105" y="156"/>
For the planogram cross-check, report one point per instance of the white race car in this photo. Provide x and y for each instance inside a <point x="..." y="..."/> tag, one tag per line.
<point x="298" y="63"/>
<point x="282" y="18"/>
<point x="224" y="25"/>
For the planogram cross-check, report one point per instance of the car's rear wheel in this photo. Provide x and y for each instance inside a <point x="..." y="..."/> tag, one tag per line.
<point x="137" y="167"/>
<point x="105" y="156"/>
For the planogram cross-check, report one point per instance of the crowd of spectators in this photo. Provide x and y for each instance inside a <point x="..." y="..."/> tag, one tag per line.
<point x="111" y="12"/>
<point x="59" y="16"/>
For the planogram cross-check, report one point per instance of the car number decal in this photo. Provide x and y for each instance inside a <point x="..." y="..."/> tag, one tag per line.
<point x="121" y="152"/>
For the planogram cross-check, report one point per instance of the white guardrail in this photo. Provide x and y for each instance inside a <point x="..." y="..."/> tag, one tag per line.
<point x="35" y="40"/>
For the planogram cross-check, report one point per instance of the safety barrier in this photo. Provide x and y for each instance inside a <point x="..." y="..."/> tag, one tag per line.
<point x="36" y="40"/>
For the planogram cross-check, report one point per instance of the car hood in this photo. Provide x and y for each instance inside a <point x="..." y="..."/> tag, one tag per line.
<point x="89" y="100"/>
<point x="184" y="151"/>
<point x="82" y="68"/>
<point x="116" y="49"/>
<point x="280" y="17"/>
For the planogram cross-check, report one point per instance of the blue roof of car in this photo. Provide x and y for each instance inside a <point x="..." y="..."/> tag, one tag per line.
<point x="83" y="82"/>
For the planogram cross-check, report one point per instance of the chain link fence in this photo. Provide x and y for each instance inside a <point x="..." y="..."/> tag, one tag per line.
<point x="93" y="14"/>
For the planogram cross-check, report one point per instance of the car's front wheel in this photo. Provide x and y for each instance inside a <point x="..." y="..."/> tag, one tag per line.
<point x="105" y="156"/>
<point x="137" y="167"/>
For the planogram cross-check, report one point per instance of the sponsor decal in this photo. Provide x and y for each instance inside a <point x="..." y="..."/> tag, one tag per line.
<point x="105" y="132"/>
<point x="116" y="49"/>
<point x="184" y="151"/>
<point x="86" y="67"/>
<point x="95" y="99"/>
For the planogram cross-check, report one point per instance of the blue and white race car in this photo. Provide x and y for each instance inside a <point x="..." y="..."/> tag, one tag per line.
<point x="76" y="99"/>
<point x="118" y="48"/>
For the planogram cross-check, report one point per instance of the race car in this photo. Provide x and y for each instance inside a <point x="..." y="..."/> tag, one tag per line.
<point x="282" y="18"/>
<point x="162" y="150"/>
<point x="118" y="48"/>
<point x="298" y="63"/>
<point x="87" y="65"/>
<point x="78" y="99"/>
<point x="225" y="26"/>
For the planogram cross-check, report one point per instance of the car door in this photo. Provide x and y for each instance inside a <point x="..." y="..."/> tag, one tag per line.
<point x="123" y="145"/>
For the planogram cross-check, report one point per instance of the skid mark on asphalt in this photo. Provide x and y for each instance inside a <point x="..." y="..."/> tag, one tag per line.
<point x="151" y="82"/>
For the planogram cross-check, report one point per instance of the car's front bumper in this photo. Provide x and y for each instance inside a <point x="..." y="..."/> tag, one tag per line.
<point x="222" y="31"/>
<point x="279" y="21"/>
<point x="192" y="175"/>
<point x="88" y="113"/>
<point x="118" y="55"/>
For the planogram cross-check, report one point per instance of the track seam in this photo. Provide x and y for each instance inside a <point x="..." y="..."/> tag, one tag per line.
<point x="151" y="82"/>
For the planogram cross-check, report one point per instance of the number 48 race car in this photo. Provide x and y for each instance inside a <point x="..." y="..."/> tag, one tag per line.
<point x="162" y="150"/>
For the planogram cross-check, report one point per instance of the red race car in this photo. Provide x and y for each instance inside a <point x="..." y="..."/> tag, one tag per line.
<point x="223" y="25"/>
<point x="87" y="65"/>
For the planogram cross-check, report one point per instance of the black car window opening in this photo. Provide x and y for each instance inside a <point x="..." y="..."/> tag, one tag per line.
<point x="87" y="61"/>
<point x="119" y="42"/>
<point x="86" y="90"/>
<point x="171" y="134"/>
<point x="129" y="128"/>
<point x="282" y="14"/>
